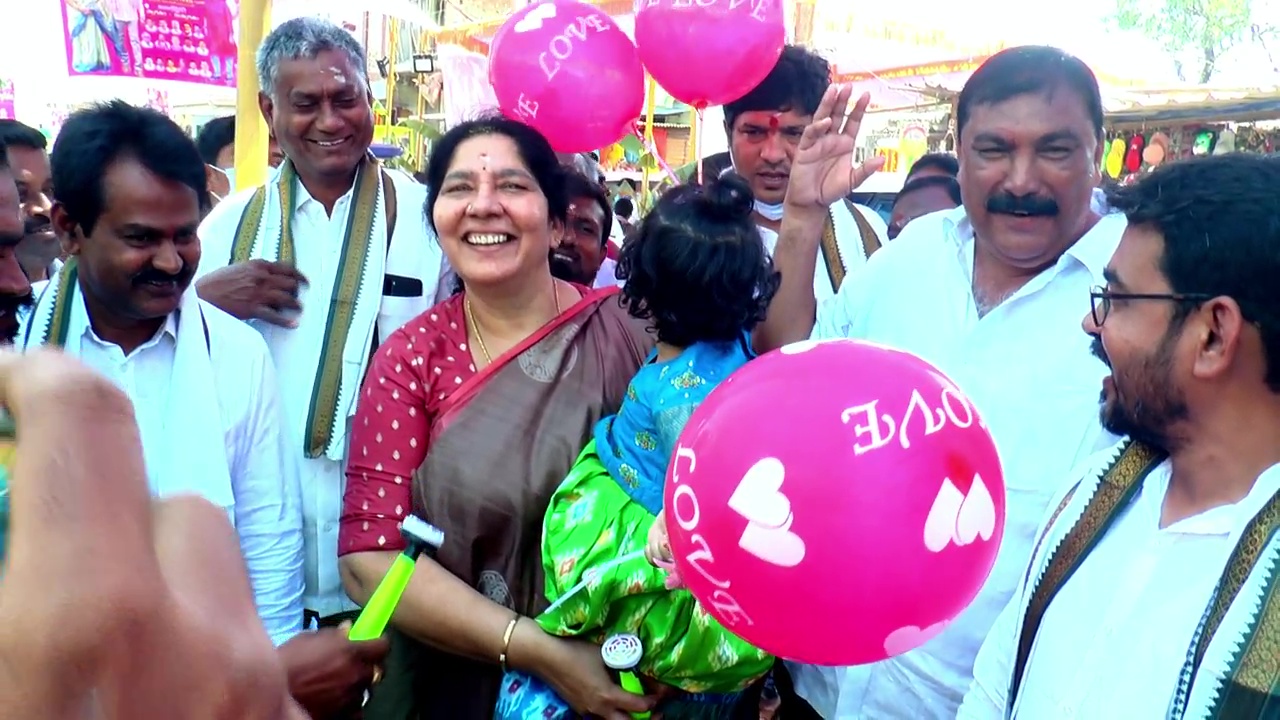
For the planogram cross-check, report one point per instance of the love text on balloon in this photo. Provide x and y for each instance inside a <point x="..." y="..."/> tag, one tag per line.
<point x="687" y="513"/>
<point x="757" y="7"/>
<point x="875" y="429"/>
<point x="527" y="109"/>
<point x="561" y="46"/>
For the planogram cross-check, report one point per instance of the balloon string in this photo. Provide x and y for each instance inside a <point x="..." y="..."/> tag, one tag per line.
<point x="652" y="148"/>
<point x="697" y="140"/>
<point x="592" y="575"/>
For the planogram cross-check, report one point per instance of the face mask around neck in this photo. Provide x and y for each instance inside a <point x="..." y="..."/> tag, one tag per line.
<point x="769" y="212"/>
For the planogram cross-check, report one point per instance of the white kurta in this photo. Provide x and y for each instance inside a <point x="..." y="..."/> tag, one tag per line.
<point x="1028" y="369"/>
<point x="263" y="499"/>
<point x="414" y="253"/>
<point x="1113" y="641"/>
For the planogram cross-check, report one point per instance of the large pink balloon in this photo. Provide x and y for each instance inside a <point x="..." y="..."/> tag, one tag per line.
<point x="709" y="52"/>
<point x="835" y="502"/>
<point x="567" y="69"/>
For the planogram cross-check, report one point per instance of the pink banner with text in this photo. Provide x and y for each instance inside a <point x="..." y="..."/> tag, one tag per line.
<point x="182" y="40"/>
<point x="7" y="111"/>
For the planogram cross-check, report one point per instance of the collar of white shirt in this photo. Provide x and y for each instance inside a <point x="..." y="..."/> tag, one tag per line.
<point x="1093" y="250"/>
<point x="82" y="327"/>
<point x="1222" y="520"/>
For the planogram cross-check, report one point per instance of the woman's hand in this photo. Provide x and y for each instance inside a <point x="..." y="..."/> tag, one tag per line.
<point x="575" y="670"/>
<point x="112" y="606"/>
<point x="823" y="170"/>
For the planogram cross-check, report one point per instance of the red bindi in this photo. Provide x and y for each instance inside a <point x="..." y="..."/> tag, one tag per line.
<point x="773" y="122"/>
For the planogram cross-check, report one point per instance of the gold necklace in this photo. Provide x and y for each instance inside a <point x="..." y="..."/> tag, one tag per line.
<point x="475" y="326"/>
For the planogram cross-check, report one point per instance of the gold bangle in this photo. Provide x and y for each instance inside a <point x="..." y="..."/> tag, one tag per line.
<point x="506" y="641"/>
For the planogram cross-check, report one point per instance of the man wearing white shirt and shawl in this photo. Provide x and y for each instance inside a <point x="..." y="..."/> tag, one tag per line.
<point x="764" y="127"/>
<point x="326" y="260"/>
<point x="202" y="383"/>
<point x="992" y="293"/>
<point x="1153" y="591"/>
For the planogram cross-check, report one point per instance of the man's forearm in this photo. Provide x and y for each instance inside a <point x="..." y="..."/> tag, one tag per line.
<point x="793" y="310"/>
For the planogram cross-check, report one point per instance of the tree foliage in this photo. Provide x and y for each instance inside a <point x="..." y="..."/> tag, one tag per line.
<point x="1195" y="33"/>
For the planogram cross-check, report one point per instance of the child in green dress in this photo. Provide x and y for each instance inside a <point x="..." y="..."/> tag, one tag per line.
<point x="698" y="272"/>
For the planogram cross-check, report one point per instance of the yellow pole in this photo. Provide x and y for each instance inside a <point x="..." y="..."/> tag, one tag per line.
<point x="650" y="104"/>
<point x="252" y="137"/>
<point x="393" y="36"/>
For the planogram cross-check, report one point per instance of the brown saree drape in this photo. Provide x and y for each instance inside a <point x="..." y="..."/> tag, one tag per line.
<point x="503" y="443"/>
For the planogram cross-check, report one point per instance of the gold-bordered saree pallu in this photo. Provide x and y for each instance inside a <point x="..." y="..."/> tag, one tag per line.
<point x="502" y="444"/>
<point x="1232" y="668"/>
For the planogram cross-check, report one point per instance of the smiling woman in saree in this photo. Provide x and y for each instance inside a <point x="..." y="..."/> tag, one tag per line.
<point x="471" y="416"/>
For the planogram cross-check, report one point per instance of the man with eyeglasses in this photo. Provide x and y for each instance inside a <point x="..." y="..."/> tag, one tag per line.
<point x="992" y="293"/>
<point x="1153" y="588"/>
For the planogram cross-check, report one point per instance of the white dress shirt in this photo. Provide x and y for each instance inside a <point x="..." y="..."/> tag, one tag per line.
<point x="1113" y="641"/>
<point x="414" y="253"/>
<point x="266" y="508"/>
<point x="848" y="239"/>
<point x="1027" y="367"/>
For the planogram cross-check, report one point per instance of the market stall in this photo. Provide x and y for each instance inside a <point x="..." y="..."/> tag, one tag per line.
<point x="1145" y="130"/>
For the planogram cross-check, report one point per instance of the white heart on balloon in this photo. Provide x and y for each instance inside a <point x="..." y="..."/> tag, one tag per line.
<point x="535" y="18"/>
<point x="906" y="639"/>
<point x="759" y="497"/>
<point x="776" y="546"/>
<point x="977" y="516"/>
<point x="940" y="525"/>
<point x="960" y="518"/>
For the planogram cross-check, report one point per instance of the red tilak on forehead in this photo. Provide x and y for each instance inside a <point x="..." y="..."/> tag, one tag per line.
<point x="773" y="122"/>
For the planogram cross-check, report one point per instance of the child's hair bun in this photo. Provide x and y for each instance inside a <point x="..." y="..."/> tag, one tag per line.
<point x="729" y="197"/>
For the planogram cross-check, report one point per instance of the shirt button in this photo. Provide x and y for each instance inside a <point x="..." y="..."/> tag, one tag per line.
<point x="330" y="527"/>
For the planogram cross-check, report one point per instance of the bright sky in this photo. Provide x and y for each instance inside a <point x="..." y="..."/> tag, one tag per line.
<point x="1083" y="31"/>
<point x="34" y="55"/>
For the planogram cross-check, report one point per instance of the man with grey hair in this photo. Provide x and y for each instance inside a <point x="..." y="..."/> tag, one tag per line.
<point x="316" y="261"/>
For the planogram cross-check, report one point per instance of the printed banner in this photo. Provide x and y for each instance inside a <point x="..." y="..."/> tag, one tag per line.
<point x="183" y="40"/>
<point x="7" y="111"/>
<point x="158" y="100"/>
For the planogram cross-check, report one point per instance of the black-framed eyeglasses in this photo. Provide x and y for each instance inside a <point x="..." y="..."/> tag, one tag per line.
<point x="1101" y="298"/>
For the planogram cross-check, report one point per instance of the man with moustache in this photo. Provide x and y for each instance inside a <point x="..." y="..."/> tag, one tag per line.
<point x="991" y="293"/>
<point x="580" y="255"/>
<point x="326" y="260"/>
<point x="39" y="252"/>
<point x="15" y="289"/>
<point x="1153" y="589"/>
<point x="202" y="384"/>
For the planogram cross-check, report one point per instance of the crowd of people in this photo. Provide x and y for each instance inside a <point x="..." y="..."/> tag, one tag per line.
<point x="254" y="389"/>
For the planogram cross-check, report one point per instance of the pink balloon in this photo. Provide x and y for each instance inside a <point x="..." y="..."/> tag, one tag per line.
<point x="568" y="70"/>
<point x="835" y="502"/>
<point x="709" y="52"/>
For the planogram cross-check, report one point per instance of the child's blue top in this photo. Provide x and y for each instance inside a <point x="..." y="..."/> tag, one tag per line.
<point x="637" y="444"/>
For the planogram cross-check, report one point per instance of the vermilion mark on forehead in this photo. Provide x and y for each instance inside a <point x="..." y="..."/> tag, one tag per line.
<point x="774" y="122"/>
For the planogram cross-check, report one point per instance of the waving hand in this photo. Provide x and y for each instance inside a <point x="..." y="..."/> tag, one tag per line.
<point x="823" y="170"/>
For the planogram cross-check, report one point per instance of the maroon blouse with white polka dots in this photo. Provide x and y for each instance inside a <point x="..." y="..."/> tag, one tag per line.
<point x="419" y="366"/>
